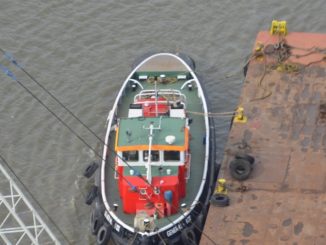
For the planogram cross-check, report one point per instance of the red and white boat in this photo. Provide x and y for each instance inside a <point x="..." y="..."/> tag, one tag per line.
<point x="157" y="173"/>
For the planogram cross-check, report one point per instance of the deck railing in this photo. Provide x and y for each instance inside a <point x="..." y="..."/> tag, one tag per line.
<point x="171" y="94"/>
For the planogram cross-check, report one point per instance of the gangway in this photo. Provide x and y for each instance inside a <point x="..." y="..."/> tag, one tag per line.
<point x="20" y="223"/>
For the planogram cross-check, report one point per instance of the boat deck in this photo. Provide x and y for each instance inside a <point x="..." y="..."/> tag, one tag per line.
<point x="197" y="131"/>
<point x="163" y="64"/>
<point x="284" y="199"/>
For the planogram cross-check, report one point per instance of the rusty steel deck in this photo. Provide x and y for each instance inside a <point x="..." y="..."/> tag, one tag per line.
<point x="283" y="201"/>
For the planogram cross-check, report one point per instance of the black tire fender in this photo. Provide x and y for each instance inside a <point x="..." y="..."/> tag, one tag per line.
<point x="162" y="242"/>
<point x="144" y="240"/>
<point x="104" y="234"/>
<point x="188" y="236"/>
<point x="90" y="169"/>
<point x="220" y="200"/>
<point x="245" y="156"/>
<point x="200" y="220"/>
<point x="96" y="221"/>
<point x="186" y="58"/>
<point x="240" y="169"/>
<point x="141" y="58"/>
<point x="91" y="195"/>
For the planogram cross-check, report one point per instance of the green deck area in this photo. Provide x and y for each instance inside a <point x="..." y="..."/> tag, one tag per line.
<point x="197" y="148"/>
<point x="135" y="131"/>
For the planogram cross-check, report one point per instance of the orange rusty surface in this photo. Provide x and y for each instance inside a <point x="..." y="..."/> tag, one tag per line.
<point x="303" y="43"/>
<point x="285" y="197"/>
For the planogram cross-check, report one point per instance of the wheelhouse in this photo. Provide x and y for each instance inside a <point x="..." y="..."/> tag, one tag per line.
<point x="152" y="152"/>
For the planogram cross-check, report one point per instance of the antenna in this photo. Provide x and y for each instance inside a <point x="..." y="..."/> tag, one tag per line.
<point x="156" y="95"/>
<point x="151" y="129"/>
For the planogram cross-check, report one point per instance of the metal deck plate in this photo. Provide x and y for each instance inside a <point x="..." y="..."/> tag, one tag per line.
<point x="285" y="200"/>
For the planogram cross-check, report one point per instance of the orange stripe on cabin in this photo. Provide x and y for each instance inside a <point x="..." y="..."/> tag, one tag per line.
<point x="184" y="147"/>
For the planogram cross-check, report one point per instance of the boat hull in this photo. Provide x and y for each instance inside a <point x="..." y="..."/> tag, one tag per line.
<point x="187" y="228"/>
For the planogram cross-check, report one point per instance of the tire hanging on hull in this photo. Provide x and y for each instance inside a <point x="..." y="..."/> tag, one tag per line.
<point x="90" y="169"/>
<point x="186" y="58"/>
<point x="188" y="236"/>
<point x="91" y="195"/>
<point x="97" y="220"/>
<point x="104" y="234"/>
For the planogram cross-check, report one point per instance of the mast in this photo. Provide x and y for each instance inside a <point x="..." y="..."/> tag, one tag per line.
<point x="148" y="166"/>
<point x="151" y="129"/>
<point x="156" y="95"/>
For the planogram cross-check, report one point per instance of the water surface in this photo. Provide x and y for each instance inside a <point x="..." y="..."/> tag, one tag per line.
<point x="82" y="51"/>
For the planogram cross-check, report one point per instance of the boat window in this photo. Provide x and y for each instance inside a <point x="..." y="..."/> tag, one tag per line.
<point x="130" y="156"/>
<point x="171" y="155"/>
<point x="155" y="156"/>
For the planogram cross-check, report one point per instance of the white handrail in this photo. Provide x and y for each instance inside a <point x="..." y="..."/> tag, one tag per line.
<point x="137" y="82"/>
<point x="163" y="92"/>
<point x="186" y="83"/>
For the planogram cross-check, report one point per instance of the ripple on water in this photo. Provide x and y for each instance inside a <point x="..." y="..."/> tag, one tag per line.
<point x="82" y="51"/>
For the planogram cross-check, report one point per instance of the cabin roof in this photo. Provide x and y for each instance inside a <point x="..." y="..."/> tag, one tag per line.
<point x="132" y="133"/>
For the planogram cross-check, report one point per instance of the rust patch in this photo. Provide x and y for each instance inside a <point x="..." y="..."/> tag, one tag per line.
<point x="272" y="226"/>
<point x="322" y="113"/>
<point x="287" y="222"/>
<point x="305" y="142"/>
<point x="248" y="230"/>
<point x="247" y="135"/>
<point x="298" y="228"/>
<point x="244" y="242"/>
<point x="232" y="242"/>
<point x="284" y="238"/>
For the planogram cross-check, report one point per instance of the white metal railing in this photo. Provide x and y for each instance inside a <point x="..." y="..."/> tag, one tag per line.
<point x="163" y="92"/>
<point x="19" y="221"/>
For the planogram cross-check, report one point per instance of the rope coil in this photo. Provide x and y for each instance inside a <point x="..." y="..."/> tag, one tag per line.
<point x="281" y="51"/>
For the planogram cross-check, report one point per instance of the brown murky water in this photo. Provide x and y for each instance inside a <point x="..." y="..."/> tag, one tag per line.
<point x="81" y="51"/>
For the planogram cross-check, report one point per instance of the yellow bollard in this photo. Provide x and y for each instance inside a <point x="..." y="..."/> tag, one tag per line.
<point x="221" y="187"/>
<point x="239" y="116"/>
<point x="259" y="47"/>
<point x="278" y="27"/>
